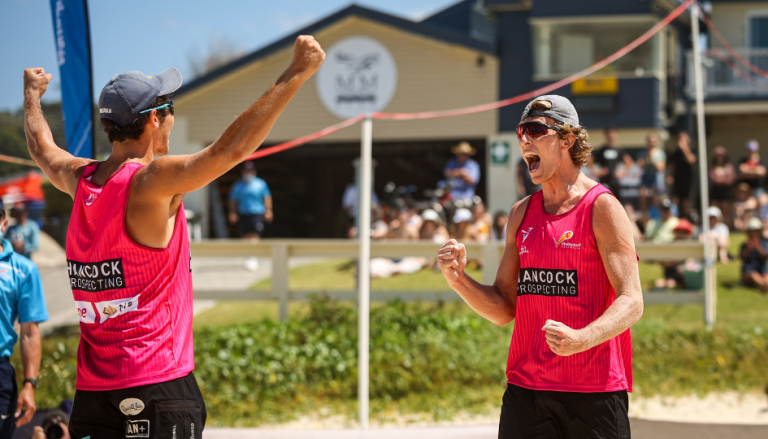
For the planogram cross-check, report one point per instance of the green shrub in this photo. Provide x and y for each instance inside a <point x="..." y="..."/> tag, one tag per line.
<point x="424" y="357"/>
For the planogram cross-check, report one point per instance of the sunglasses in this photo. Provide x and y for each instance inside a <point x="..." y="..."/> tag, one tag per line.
<point x="169" y="106"/>
<point x="534" y="129"/>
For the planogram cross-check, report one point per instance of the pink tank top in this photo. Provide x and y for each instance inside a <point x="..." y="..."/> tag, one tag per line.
<point x="562" y="278"/>
<point x="134" y="302"/>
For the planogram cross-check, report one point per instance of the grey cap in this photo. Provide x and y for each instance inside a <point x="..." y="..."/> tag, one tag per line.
<point x="554" y="106"/>
<point x="129" y="93"/>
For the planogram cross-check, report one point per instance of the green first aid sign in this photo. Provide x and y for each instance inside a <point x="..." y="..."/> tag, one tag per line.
<point x="500" y="152"/>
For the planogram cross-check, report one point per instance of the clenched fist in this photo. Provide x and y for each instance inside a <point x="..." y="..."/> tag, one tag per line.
<point x="453" y="258"/>
<point x="36" y="82"/>
<point x="307" y="56"/>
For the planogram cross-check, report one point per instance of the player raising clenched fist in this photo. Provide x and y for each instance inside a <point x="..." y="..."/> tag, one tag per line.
<point x="569" y="278"/>
<point x="127" y="247"/>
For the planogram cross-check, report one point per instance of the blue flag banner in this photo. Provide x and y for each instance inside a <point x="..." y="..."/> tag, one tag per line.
<point x="73" y="51"/>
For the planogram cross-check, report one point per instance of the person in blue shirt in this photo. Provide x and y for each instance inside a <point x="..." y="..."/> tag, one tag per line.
<point x="250" y="203"/>
<point x="21" y="297"/>
<point x="462" y="172"/>
<point x="25" y="234"/>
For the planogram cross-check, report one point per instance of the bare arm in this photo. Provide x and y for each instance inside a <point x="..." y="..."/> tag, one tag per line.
<point x="61" y="167"/>
<point x="613" y="233"/>
<point x="497" y="302"/>
<point x="30" y="360"/>
<point x="172" y="175"/>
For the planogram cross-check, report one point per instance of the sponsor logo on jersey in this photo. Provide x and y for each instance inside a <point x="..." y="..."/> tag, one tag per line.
<point x="523" y="250"/>
<point x="547" y="282"/>
<point x="526" y="232"/>
<point x="93" y="277"/>
<point x="113" y="308"/>
<point x="131" y="406"/>
<point x="136" y="428"/>
<point x="85" y="312"/>
<point x="91" y="198"/>
<point x="564" y="237"/>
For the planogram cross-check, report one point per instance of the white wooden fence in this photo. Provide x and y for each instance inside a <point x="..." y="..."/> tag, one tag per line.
<point x="281" y="250"/>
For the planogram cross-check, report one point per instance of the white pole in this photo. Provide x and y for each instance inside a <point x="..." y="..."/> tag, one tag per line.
<point x="364" y="268"/>
<point x="709" y="285"/>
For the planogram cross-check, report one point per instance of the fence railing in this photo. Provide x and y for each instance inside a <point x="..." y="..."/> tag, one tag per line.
<point x="726" y="77"/>
<point x="282" y="250"/>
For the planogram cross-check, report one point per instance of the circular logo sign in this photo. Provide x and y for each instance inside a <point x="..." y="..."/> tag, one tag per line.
<point x="358" y="76"/>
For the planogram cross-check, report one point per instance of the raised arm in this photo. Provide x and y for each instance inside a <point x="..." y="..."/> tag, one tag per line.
<point x="61" y="167"/>
<point x="613" y="232"/>
<point x="172" y="175"/>
<point x="497" y="302"/>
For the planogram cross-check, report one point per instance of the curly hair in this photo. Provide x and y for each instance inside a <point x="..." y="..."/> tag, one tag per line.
<point x="581" y="148"/>
<point x="135" y="129"/>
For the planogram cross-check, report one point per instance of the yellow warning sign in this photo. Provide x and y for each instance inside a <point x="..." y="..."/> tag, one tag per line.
<point x="595" y="86"/>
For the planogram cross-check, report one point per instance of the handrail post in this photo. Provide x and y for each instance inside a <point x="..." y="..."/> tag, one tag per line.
<point x="280" y="277"/>
<point x="364" y="268"/>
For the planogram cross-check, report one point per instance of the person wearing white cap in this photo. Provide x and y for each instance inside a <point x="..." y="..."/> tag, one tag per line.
<point x="719" y="233"/>
<point x="432" y="227"/>
<point x="462" y="226"/>
<point x="752" y="169"/>
<point x="754" y="254"/>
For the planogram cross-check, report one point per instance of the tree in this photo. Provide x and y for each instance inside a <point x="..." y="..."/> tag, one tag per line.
<point x="220" y="51"/>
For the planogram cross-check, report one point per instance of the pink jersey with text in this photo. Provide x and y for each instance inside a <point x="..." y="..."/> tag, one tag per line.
<point x="134" y="302"/>
<point x="562" y="278"/>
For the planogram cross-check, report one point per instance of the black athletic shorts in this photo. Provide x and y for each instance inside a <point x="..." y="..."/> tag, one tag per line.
<point x="173" y="409"/>
<point x="9" y="394"/>
<point x="534" y="414"/>
<point x="250" y="224"/>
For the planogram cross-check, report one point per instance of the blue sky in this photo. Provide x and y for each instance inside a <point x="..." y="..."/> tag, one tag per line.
<point x="152" y="36"/>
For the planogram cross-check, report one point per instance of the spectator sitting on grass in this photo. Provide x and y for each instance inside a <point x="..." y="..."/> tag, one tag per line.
<point x="463" y="229"/>
<point x="744" y="206"/>
<point x="719" y="233"/>
<point x="661" y="231"/>
<point x="673" y="269"/>
<point x="754" y="254"/>
<point x="432" y="228"/>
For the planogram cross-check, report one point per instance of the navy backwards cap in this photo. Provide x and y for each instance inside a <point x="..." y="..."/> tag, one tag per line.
<point x="129" y="93"/>
<point x="554" y="106"/>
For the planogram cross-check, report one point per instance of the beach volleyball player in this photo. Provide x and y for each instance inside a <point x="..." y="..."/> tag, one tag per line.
<point x="127" y="248"/>
<point x="569" y="279"/>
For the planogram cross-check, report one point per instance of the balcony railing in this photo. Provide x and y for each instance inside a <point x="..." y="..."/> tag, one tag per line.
<point x="725" y="77"/>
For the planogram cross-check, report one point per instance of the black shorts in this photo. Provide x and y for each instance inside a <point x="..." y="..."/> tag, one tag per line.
<point x="533" y="414"/>
<point x="250" y="224"/>
<point x="173" y="409"/>
<point x="9" y="394"/>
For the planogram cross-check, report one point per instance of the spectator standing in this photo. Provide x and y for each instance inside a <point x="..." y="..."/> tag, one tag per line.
<point x="719" y="234"/>
<point x="351" y="201"/>
<point x="629" y="176"/>
<point x="25" y="234"/>
<point x="722" y="176"/>
<point x="608" y="158"/>
<point x="752" y="169"/>
<point x="680" y="168"/>
<point x="754" y="254"/>
<point x="462" y="172"/>
<point x="654" y="164"/>
<point x="661" y="231"/>
<point x="250" y="203"/>
<point x="22" y="293"/>
<point x="525" y="186"/>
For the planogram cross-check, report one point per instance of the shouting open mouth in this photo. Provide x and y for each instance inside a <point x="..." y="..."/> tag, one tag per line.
<point x="533" y="160"/>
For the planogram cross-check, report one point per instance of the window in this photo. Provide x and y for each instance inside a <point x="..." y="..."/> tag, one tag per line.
<point x="563" y="46"/>
<point x="758" y="26"/>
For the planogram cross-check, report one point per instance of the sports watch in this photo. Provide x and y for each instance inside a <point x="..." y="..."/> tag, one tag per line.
<point x="32" y="381"/>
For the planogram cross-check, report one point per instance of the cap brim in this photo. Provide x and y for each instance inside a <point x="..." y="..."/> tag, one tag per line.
<point x="170" y="81"/>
